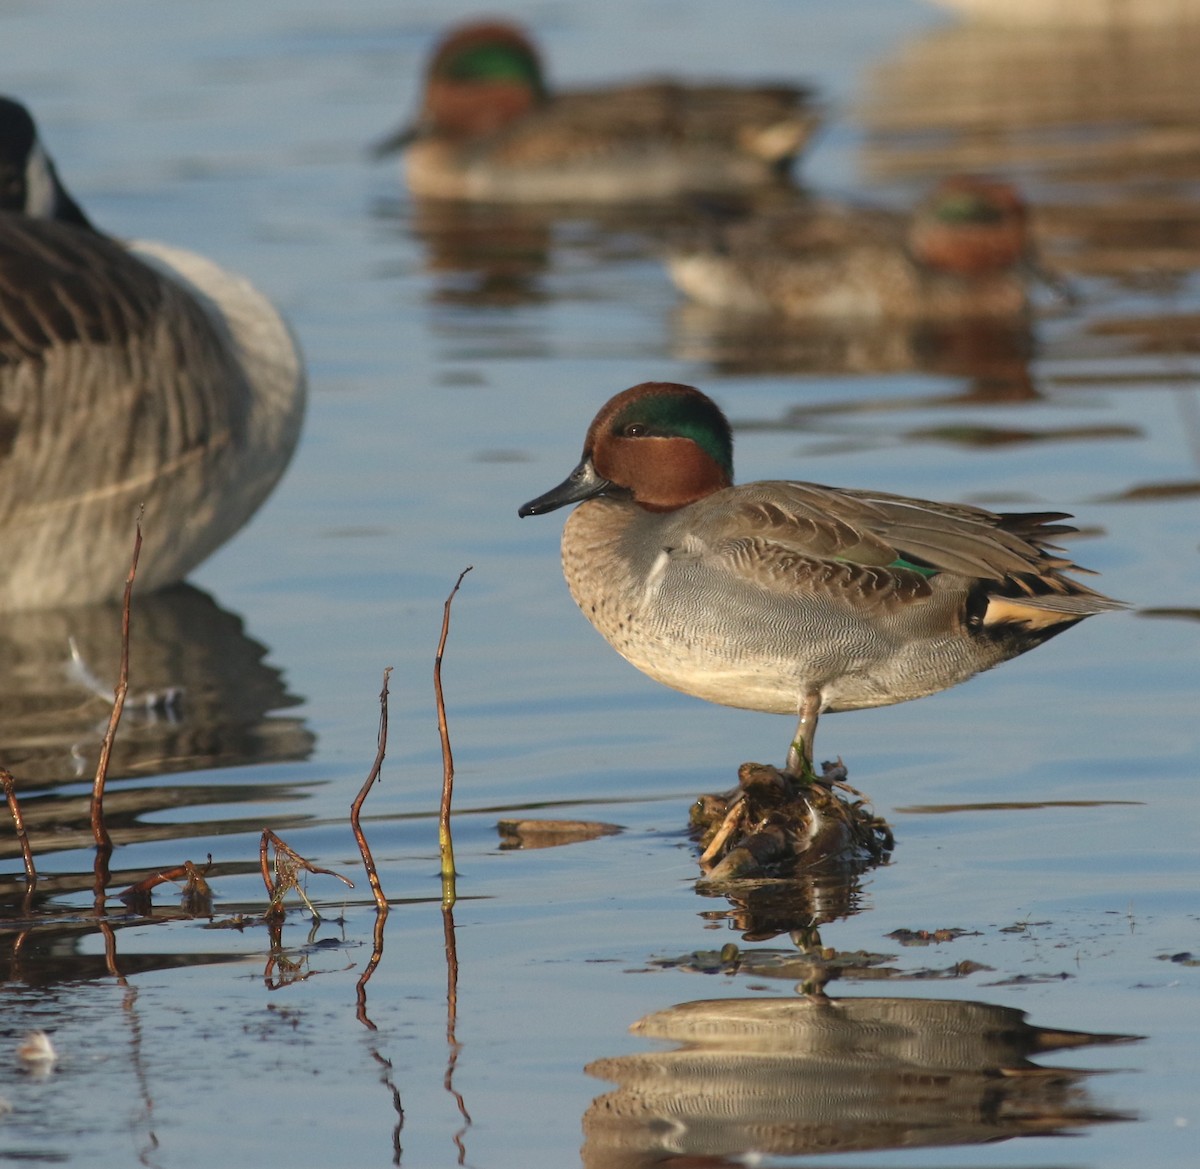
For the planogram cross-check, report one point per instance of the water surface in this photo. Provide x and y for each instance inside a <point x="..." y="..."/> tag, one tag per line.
<point x="1048" y="809"/>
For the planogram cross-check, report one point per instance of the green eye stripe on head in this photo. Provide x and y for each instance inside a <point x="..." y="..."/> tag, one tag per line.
<point x="495" y="63"/>
<point x="967" y="208"/>
<point x="673" y="416"/>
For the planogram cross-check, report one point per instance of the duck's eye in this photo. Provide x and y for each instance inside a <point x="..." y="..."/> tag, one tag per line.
<point x="634" y="430"/>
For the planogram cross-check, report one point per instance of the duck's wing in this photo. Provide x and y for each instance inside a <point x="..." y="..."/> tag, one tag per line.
<point x="771" y="123"/>
<point x="890" y="544"/>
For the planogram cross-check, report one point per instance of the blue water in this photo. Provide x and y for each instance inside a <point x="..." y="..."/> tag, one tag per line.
<point x="241" y="131"/>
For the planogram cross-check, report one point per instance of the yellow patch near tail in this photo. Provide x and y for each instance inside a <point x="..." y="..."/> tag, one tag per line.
<point x="1011" y="610"/>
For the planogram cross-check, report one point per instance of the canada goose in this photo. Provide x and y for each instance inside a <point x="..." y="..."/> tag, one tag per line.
<point x="130" y="374"/>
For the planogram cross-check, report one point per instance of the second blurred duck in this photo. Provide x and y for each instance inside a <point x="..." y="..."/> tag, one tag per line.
<point x="490" y="129"/>
<point x="964" y="253"/>
<point x="130" y="374"/>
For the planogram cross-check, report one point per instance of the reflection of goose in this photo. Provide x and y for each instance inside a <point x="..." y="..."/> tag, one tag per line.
<point x="1083" y="104"/>
<point x="52" y="717"/>
<point x="800" y="1076"/>
<point x="129" y="374"/>
<point x="167" y="789"/>
<point x="1075" y="13"/>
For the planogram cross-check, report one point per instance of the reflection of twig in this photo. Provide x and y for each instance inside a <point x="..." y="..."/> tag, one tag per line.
<point x="287" y="865"/>
<point x="360" y="989"/>
<point x="290" y="971"/>
<point x="99" y="832"/>
<point x="129" y="1007"/>
<point x="10" y="793"/>
<point x="445" y="843"/>
<point x="452" y="1023"/>
<point x="397" y="1103"/>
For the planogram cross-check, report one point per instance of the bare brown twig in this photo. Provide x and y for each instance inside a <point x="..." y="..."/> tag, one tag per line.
<point x="10" y="793"/>
<point x="360" y="799"/>
<point x="445" y="842"/>
<point x="99" y="831"/>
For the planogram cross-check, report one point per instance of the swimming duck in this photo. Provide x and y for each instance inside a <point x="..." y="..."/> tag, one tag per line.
<point x="964" y="253"/>
<point x="130" y="374"/>
<point x="793" y="598"/>
<point x="490" y="129"/>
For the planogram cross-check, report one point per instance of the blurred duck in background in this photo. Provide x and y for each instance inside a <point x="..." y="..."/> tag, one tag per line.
<point x="965" y="253"/>
<point x="131" y="374"/>
<point x="490" y="129"/>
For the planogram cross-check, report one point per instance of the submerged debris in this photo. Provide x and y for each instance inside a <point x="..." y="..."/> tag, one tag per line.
<point x="773" y="825"/>
<point x="197" y="894"/>
<point x="37" y="1053"/>
<point x="548" y="833"/>
<point x="931" y="937"/>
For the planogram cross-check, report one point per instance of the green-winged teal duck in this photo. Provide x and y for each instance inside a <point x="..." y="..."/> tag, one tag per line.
<point x="490" y="129"/>
<point x="793" y="598"/>
<point x="965" y="252"/>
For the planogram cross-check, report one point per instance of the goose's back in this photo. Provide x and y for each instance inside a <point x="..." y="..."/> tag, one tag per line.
<point x="121" y="386"/>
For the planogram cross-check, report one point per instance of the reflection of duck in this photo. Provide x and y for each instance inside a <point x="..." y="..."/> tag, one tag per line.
<point x="129" y="374"/>
<point x="963" y="254"/>
<point x="503" y="254"/>
<point x="791" y="1077"/>
<point x="792" y="597"/>
<point x="489" y="129"/>
<point x="484" y="253"/>
<point x="992" y="355"/>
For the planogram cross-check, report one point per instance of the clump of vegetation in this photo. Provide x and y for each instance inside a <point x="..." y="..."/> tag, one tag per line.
<point x="776" y="825"/>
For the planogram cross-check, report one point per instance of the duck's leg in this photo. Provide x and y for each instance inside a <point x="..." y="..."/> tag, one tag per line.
<point x="800" y="753"/>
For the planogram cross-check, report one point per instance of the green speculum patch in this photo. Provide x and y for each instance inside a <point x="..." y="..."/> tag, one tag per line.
<point x="923" y="569"/>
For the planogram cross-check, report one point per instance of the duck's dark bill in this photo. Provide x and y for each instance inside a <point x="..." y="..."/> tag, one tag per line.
<point x="583" y="483"/>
